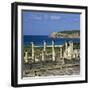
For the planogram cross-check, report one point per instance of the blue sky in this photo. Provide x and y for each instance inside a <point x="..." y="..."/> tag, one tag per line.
<point x="44" y="23"/>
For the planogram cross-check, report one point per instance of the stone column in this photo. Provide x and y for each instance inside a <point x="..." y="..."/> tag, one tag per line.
<point x="72" y="46"/>
<point x="71" y="49"/>
<point x="53" y="51"/>
<point x="66" y="46"/>
<point x="44" y="46"/>
<point x="26" y="57"/>
<point x="33" y="56"/>
<point x="43" y="56"/>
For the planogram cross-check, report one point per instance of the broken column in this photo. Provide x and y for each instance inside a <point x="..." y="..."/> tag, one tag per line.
<point x="53" y="51"/>
<point x="71" y="45"/>
<point x="33" y="56"/>
<point x="44" y="46"/>
<point x="43" y="56"/>
<point x="71" y="49"/>
<point x="26" y="57"/>
<point x="66" y="45"/>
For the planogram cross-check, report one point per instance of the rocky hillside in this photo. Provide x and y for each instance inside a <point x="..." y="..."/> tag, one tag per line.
<point x="66" y="34"/>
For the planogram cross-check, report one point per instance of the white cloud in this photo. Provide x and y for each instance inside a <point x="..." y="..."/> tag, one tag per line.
<point x="36" y="17"/>
<point x="55" y="17"/>
<point x="45" y="17"/>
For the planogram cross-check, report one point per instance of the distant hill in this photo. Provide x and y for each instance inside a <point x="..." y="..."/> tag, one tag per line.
<point x="70" y="31"/>
<point x="66" y="34"/>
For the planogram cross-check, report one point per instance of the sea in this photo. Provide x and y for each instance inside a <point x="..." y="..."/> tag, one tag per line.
<point x="38" y="40"/>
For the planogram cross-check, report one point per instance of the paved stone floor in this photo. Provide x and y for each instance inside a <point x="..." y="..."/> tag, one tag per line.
<point x="51" y="68"/>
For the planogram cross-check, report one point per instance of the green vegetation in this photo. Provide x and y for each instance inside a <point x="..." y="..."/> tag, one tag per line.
<point x="70" y="31"/>
<point x="76" y="46"/>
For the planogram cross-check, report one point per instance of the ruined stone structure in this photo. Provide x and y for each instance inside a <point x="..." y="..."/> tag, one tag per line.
<point x="44" y="46"/>
<point x="53" y="51"/>
<point x="26" y="57"/>
<point x="68" y="53"/>
<point x="33" y="57"/>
